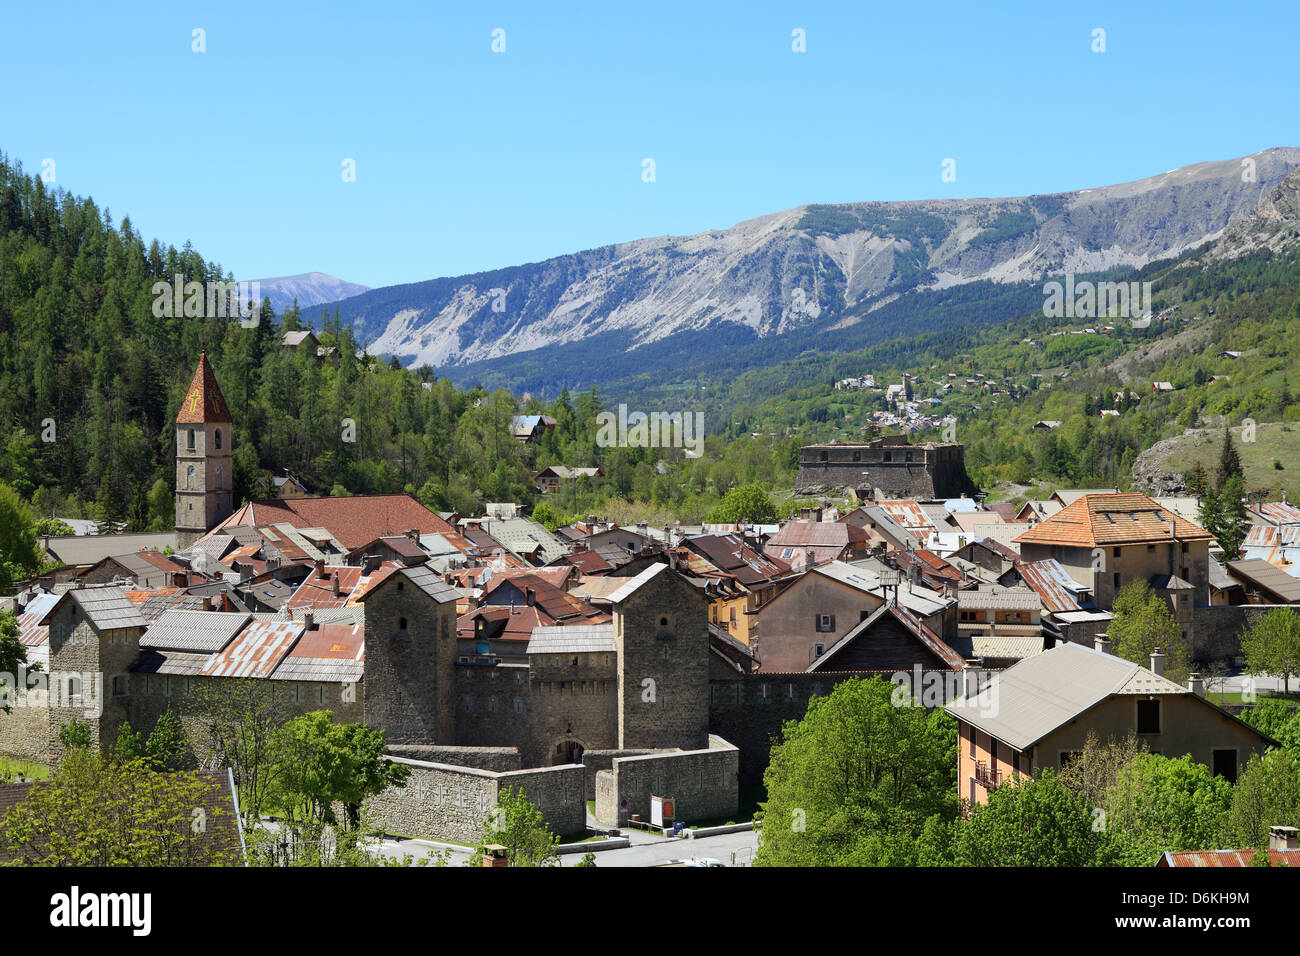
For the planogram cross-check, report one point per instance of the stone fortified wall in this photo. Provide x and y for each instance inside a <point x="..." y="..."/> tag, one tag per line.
<point x="444" y="802"/>
<point x="704" y="784"/>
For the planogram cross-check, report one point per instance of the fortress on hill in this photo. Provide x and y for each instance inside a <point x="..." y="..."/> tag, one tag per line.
<point x="888" y="467"/>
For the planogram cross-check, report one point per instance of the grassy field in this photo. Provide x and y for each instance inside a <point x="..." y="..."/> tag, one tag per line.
<point x="11" y="768"/>
<point x="1278" y="442"/>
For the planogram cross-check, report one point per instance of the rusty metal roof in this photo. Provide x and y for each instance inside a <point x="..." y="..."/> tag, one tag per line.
<point x="256" y="650"/>
<point x="1058" y="591"/>
<point x="31" y="632"/>
<point x="908" y="513"/>
<point x="330" y="653"/>
<point x="1215" y="858"/>
<point x="1278" y="512"/>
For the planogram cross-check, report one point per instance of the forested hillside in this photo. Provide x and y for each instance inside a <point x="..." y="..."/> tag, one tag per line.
<point x="84" y="362"/>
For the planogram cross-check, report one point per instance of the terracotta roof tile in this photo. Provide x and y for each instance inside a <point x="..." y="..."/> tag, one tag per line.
<point x="203" y="400"/>
<point x="1094" y="520"/>
<point x="355" y="521"/>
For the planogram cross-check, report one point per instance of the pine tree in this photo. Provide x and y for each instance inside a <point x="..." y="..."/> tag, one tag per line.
<point x="1229" y="460"/>
<point x="1207" y="513"/>
<point x="1234" y="520"/>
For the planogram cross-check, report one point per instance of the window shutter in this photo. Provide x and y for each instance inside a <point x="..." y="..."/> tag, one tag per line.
<point x="832" y="630"/>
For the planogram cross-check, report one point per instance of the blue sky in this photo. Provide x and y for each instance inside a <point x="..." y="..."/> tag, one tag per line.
<point x="468" y="159"/>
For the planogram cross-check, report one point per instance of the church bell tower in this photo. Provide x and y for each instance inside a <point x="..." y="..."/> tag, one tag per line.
<point x="204" y="490"/>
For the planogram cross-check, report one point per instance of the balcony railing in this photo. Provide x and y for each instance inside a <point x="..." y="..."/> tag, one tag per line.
<point x="987" y="777"/>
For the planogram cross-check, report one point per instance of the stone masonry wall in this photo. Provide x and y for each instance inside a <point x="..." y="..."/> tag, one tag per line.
<point x="662" y="636"/>
<point x="750" y="711"/>
<point x="1216" y="630"/>
<point x="409" y="669"/>
<point x="504" y="706"/>
<point x="703" y="783"/>
<point x="442" y="802"/>
<point x="598" y="760"/>
<point x="496" y="759"/>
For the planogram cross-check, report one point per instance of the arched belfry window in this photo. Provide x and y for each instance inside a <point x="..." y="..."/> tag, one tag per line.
<point x="216" y="437"/>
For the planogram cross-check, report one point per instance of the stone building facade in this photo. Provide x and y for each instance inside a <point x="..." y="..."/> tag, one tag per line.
<point x="889" y="467"/>
<point x="204" y="479"/>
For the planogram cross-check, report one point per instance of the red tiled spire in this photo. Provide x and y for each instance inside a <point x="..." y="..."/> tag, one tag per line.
<point x="203" y="401"/>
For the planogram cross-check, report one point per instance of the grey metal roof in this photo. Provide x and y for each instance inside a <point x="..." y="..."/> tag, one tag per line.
<point x="105" y="607"/>
<point x="174" y="663"/>
<point x="351" y="614"/>
<point x="1219" y="577"/>
<point x="87" y="549"/>
<point x="211" y="549"/>
<point x="1000" y="647"/>
<point x="1260" y="573"/>
<point x="1034" y="697"/>
<point x="428" y="581"/>
<point x="1000" y="599"/>
<point x="155" y="605"/>
<point x="320" y="669"/>
<point x="523" y="536"/>
<point x="207" y="631"/>
<point x="576" y="639"/>
<point x="634" y="585"/>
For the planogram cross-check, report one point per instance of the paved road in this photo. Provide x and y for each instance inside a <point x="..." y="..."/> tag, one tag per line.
<point x="644" y="851"/>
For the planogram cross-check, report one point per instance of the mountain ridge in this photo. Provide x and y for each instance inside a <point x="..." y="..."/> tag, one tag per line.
<point x="806" y="270"/>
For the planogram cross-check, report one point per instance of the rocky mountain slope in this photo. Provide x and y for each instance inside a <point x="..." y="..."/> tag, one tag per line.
<point x="792" y="275"/>
<point x="310" y="289"/>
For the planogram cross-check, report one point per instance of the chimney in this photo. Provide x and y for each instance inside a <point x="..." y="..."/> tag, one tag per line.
<point x="1102" y="643"/>
<point x="530" y="596"/>
<point x="320" y="567"/>
<point x="810" y="557"/>
<point x="414" y="535"/>
<point x="179" y="579"/>
<point x="334" y="582"/>
<point x="309" y="619"/>
<point x="1283" y="838"/>
<point x="494" y="854"/>
<point x="1157" y="663"/>
<point x="970" y="677"/>
<point x="1196" y="684"/>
